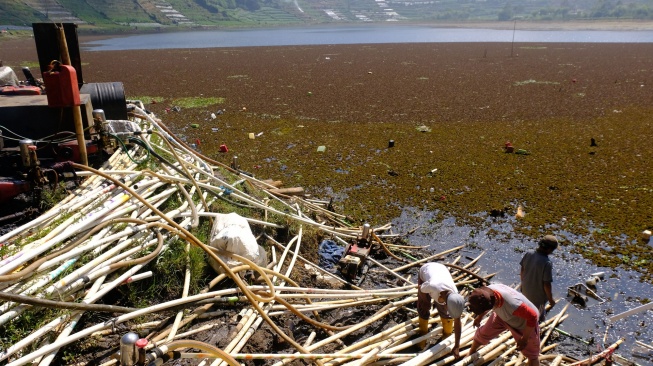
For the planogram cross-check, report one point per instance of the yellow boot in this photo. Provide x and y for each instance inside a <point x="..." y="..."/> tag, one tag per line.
<point x="447" y="327"/>
<point x="423" y="329"/>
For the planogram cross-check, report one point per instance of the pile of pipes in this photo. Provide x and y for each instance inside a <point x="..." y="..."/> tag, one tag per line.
<point x="120" y="220"/>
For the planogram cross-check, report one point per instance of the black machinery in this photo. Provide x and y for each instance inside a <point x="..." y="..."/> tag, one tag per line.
<point x="38" y="137"/>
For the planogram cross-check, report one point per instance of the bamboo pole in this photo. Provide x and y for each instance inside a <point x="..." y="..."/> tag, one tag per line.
<point x="554" y="323"/>
<point x="76" y="109"/>
<point x="438" y="255"/>
<point x="597" y="357"/>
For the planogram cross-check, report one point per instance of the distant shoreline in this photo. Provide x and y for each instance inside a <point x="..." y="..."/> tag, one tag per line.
<point x="598" y="25"/>
<point x="86" y="35"/>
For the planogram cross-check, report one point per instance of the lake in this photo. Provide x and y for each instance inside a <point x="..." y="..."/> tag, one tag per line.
<point x="370" y="34"/>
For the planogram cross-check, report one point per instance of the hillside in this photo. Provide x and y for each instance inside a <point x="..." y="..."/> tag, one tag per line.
<point x="97" y="15"/>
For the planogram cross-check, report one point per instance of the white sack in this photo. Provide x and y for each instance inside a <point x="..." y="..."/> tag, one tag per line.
<point x="8" y="76"/>
<point x="231" y="233"/>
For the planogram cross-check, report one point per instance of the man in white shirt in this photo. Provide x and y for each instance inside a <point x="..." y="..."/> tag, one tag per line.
<point x="7" y="76"/>
<point x="435" y="282"/>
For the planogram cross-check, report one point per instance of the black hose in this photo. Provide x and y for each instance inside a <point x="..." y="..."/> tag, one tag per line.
<point x="144" y="145"/>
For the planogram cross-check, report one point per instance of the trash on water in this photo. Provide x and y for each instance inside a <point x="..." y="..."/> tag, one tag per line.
<point x="321" y="148"/>
<point x="600" y="275"/>
<point x="580" y="293"/>
<point x="592" y="281"/>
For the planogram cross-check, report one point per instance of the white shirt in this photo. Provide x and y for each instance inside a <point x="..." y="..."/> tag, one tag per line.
<point x="436" y="279"/>
<point x="7" y="76"/>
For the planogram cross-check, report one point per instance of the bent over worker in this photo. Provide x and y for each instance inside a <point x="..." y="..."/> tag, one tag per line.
<point x="435" y="282"/>
<point x="7" y="76"/>
<point x="512" y="311"/>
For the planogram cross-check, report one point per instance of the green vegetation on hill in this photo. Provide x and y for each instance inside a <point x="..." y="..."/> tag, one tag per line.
<point x="129" y="14"/>
<point x="86" y="12"/>
<point x="15" y="12"/>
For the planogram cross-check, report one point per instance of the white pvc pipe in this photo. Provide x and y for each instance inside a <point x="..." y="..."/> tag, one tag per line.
<point x="72" y="322"/>
<point x="38" y="283"/>
<point x="630" y="312"/>
<point x="40" y="246"/>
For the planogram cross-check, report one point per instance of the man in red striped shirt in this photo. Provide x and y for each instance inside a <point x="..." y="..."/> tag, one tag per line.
<point x="513" y="312"/>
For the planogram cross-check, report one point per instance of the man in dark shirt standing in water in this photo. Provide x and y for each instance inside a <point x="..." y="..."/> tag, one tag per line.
<point x="537" y="274"/>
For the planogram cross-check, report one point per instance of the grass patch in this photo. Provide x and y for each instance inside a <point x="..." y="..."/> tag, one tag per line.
<point x="193" y="102"/>
<point x="20" y="327"/>
<point x="169" y="271"/>
<point x="18" y="67"/>
<point x="146" y="99"/>
<point x="51" y="197"/>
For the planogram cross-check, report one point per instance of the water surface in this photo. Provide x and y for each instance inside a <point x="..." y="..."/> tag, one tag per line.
<point x="371" y="34"/>
<point x="621" y="290"/>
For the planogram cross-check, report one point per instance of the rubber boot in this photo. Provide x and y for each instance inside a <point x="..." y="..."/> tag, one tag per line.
<point x="423" y="329"/>
<point x="447" y="327"/>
